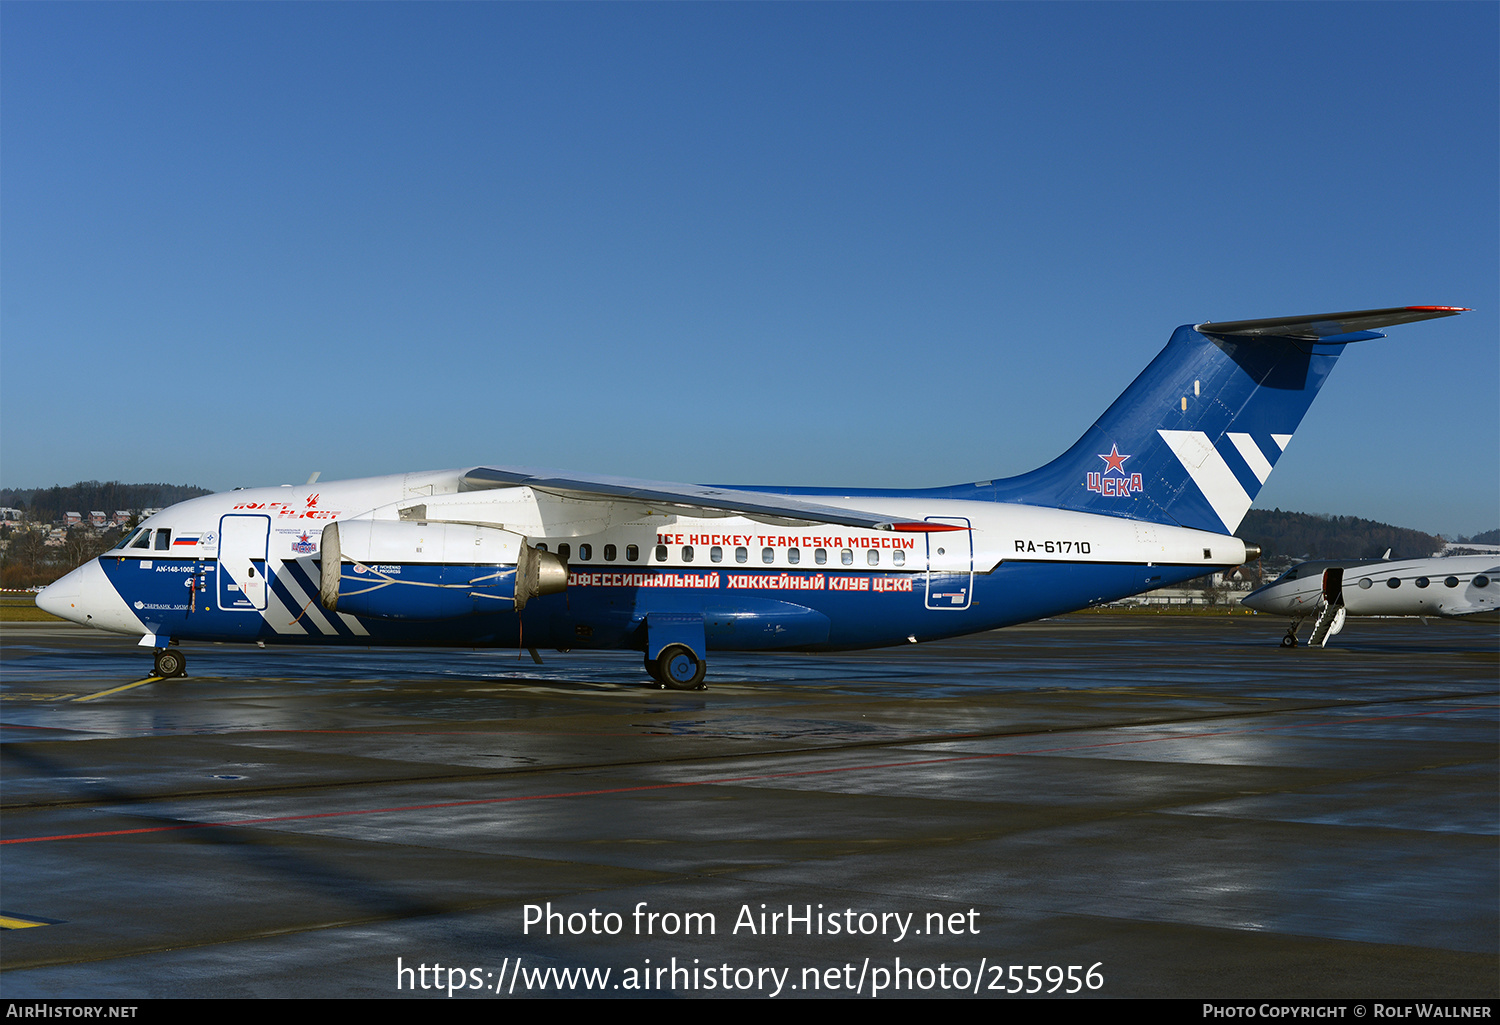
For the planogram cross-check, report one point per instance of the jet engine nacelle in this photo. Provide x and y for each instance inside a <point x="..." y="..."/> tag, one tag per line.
<point x="431" y="570"/>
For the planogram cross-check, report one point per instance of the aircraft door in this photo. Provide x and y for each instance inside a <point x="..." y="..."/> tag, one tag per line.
<point x="243" y="558"/>
<point x="950" y="564"/>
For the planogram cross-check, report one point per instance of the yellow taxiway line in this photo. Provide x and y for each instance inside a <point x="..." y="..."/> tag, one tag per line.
<point x="117" y="690"/>
<point x="17" y="922"/>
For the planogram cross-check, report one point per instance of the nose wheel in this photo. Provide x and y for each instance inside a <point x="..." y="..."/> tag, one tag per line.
<point x="1290" y="640"/>
<point x="169" y="663"/>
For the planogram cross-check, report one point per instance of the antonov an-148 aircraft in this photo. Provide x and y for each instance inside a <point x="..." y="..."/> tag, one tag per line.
<point x="505" y="557"/>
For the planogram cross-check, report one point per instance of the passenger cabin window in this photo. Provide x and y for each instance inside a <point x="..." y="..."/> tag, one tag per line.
<point x="632" y="553"/>
<point x="873" y="558"/>
<point x="898" y="557"/>
<point x="541" y="546"/>
<point x="163" y="540"/>
<point x="585" y="552"/>
<point x="768" y="555"/>
<point x="1365" y="583"/>
<point x="661" y="553"/>
<point x="742" y="554"/>
<point x="1393" y="583"/>
<point x="846" y="557"/>
<point x="687" y="553"/>
<point x="716" y="554"/>
<point x="793" y="556"/>
<point x="1450" y="581"/>
<point x="1481" y="581"/>
<point x="609" y="553"/>
<point x="564" y="550"/>
<point x="820" y="555"/>
<point x="1423" y="581"/>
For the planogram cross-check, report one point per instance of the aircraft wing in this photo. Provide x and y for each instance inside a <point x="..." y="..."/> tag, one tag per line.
<point x="1330" y="325"/>
<point x="692" y="498"/>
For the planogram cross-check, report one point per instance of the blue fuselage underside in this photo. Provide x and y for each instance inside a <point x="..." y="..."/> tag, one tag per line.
<point x="743" y="610"/>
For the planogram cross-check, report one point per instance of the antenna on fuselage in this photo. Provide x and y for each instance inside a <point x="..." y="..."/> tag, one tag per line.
<point x="314" y="478"/>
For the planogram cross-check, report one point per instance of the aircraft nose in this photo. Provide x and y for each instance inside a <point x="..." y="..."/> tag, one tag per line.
<point x="78" y="595"/>
<point x="1259" y="601"/>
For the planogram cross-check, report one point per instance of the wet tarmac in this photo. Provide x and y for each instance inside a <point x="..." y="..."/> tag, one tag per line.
<point x="1121" y="805"/>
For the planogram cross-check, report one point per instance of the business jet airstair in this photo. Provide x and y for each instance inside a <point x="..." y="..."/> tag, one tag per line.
<point x="1331" y="619"/>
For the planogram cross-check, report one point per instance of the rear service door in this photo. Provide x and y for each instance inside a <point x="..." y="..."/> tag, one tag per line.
<point x="243" y="549"/>
<point x="950" y="564"/>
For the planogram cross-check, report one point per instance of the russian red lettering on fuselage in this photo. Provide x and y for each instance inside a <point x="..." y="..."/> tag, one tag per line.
<point x="784" y="541"/>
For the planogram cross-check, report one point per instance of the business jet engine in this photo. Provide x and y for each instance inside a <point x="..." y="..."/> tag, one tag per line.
<point x="429" y="570"/>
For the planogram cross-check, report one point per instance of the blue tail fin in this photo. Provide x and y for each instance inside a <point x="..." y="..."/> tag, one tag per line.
<point x="1194" y="438"/>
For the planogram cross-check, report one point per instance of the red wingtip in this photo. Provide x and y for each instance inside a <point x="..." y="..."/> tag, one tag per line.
<point x="1445" y="309"/>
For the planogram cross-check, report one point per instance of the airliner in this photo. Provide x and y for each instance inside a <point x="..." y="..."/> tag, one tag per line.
<point x="1148" y="497"/>
<point x="1452" y="587"/>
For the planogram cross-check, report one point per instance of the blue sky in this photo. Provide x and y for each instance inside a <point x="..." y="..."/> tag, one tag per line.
<point x="865" y="245"/>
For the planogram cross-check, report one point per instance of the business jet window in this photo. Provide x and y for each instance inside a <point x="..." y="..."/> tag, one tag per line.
<point x="793" y="556"/>
<point x="632" y="553"/>
<point x="1481" y="581"/>
<point x="716" y="554"/>
<point x="768" y="555"/>
<point x="898" y="557"/>
<point x="1366" y="583"/>
<point x="609" y="553"/>
<point x="687" y="553"/>
<point x="1393" y="583"/>
<point x="661" y="553"/>
<point x="873" y="558"/>
<point x="563" y="551"/>
<point x="820" y="555"/>
<point x="164" y="540"/>
<point x="1422" y="581"/>
<point x="846" y="557"/>
<point x="1450" y="581"/>
<point x="742" y="554"/>
<point x="585" y="553"/>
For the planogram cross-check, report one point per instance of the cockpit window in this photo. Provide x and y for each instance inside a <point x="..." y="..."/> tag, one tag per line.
<point x="137" y="535"/>
<point x="164" y="539"/>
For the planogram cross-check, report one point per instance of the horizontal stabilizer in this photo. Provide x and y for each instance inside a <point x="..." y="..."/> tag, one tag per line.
<point x="1328" y="325"/>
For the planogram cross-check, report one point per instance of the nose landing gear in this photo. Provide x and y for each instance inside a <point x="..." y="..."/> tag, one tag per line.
<point x="169" y="663"/>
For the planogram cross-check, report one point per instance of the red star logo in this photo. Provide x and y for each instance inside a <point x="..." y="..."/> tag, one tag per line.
<point x="1114" y="461"/>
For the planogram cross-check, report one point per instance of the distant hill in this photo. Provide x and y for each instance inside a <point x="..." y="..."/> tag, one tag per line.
<point x="1489" y="537"/>
<point x="1305" y="535"/>
<point x="43" y="505"/>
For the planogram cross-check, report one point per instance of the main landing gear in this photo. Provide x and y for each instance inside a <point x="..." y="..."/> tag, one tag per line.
<point x="677" y="668"/>
<point x="169" y="663"/>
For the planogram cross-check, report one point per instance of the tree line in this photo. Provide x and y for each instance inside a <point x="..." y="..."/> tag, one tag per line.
<point x="47" y="505"/>
<point x="1308" y="536"/>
